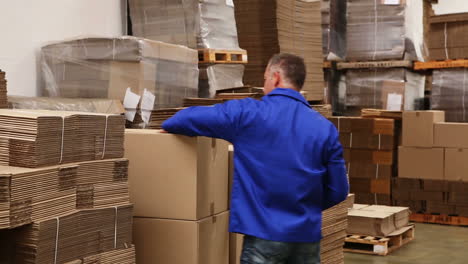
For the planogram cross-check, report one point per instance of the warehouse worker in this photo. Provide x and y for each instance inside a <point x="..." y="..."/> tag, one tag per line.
<point x="288" y="165"/>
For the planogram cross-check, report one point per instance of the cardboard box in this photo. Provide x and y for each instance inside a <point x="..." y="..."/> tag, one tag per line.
<point x="236" y="243"/>
<point x="456" y="164"/>
<point x="428" y="196"/>
<point x="380" y="157"/>
<point x="407" y="184"/>
<point x="367" y="141"/>
<point x="414" y="206"/>
<point x="435" y="185"/>
<point x="440" y="208"/>
<point x="451" y="135"/>
<point x="447" y="36"/>
<point x="421" y="163"/>
<point x="182" y="242"/>
<point x="370" y="171"/>
<point x="176" y="177"/>
<point x="231" y="171"/>
<point x="374" y="126"/>
<point x="418" y="127"/>
<point x="361" y="185"/>
<point x="461" y="210"/>
<point x="455" y="186"/>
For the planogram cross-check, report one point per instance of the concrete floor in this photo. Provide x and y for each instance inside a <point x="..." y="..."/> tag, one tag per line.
<point x="433" y="244"/>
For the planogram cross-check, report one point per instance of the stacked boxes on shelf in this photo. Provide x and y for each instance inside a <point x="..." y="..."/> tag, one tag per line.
<point x="127" y="69"/>
<point x="370" y="148"/>
<point x="447" y="41"/>
<point x="3" y="90"/>
<point x="432" y="165"/>
<point x="76" y="208"/>
<point x="179" y="186"/>
<point x="291" y="26"/>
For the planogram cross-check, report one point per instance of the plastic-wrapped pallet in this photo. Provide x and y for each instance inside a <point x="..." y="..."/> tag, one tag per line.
<point x="384" y="30"/>
<point x="450" y="93"/>
<point x="219" y="76"/>
<point x="334" y="29"/>
<point x="448" y="37"/>
<point x="193" y="23"/>
<point x="391" y="89"/>
<point x="107" y="67"/>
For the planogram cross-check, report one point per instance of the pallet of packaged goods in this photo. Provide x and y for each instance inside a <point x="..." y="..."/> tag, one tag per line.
<point x="219" y="56"/>
<point x="380" y="246"/>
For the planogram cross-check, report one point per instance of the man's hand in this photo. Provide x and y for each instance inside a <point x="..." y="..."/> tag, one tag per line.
<point x="163" y="131"/>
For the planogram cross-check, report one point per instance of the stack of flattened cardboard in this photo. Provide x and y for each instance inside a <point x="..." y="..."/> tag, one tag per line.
<point x="116" y="256"/>
<point x="70" y="237"/>
<point x="197" y="219"/>
<point x="334" y="224"/>
<point x="158" y="117"/>
<point x="447" y="37"/>
<point x="377" y="220"/>
<point x="219" y="76"/>
<point x="195" y="24"/>
<point x="300" y="33"/>
<point x="96" y="105"/>
<point x="384" y="30"/>
<point x="324" y="109"/>
<point x="370" y="148"/>
<point x="201" y="102"/>
<point x="258" y="34"/>
<point x="449" y="90"/>
<point x="34" y="138"/>
<point x="34" y="195"/>
<point x="432" y="165"/>
<point x="3" y="91"/>
<point x="389" y="89"/>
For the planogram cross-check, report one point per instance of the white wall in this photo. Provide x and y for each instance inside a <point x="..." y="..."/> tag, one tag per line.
<point x="26" y="25"/>
<point x="450" y="7"/>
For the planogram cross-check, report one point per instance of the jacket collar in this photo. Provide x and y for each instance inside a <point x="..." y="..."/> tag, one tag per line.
<point x="289" y="93"/>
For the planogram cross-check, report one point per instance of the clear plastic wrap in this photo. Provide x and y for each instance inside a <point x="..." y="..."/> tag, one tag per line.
<point x="391" y="89"/>
<point x="218" y="77"/>
<point x="450" y="93"/>
<point x="107" y="67"/>
<point x="384" y="30"/>
<point x="334" y="29"/>
<point x="105" y="106"/>
<point x="193" y="23"/>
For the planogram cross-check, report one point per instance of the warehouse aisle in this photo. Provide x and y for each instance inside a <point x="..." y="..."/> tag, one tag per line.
<point x="433" y="244"/>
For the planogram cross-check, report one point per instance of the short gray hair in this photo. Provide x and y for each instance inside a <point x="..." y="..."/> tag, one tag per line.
<point x="292" y="67"/>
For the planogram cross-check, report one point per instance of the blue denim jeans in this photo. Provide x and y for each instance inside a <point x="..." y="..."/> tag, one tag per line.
<point x="259" y="251"/>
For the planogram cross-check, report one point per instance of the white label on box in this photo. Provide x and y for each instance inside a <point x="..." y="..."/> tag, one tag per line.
<point x="147" y="104"/>
<point x="391" y="2"/>
<point x="130" y="102"/>
<point x="230" y="3"/>
<point x="244" y="57"/>
<point x="394" y="102"/>
<point x="379" y="249"/>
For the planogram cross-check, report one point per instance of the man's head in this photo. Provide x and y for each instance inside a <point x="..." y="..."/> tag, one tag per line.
<point x="286" y="71"/>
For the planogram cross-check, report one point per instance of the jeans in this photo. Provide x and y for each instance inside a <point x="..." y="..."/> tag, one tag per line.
<point x="259" y="251"/>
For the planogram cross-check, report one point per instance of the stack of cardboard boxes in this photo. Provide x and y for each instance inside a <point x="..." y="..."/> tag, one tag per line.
<point x="432" y="165"/>
<point x="66" y="212"/>
<point x="3" y="91"/>
<point x="370" y="148"/>
<point x="179" y="186"/>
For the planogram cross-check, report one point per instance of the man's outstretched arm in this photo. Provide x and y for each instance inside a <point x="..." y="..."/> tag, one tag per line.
<point x="218" y="121"/>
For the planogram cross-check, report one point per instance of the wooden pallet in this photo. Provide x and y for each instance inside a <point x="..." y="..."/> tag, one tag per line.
<point x="210" y="56"/>
<point x="374" y="64"/>
<point x="439" y="219"/>
<point x="380" y="246"/>
<point x="430" y="65"/>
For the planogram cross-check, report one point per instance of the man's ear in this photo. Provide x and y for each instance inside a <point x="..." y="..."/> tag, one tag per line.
<point x="276" y="78"/>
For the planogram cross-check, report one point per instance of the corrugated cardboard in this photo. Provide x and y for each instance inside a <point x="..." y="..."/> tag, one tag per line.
<point x="361" y="185"/>
<point x="176" y="177"/>
<point x="366" y="170"/>
<point x="428" y="196"/>
<point x="418" y="127"/>
<point x="375" y="126"/>
<point x="373" y="198"/>
<point x="435" y="185"/>
<point x="434" y="207"/>
<point x="447" y="36"/>
<point x="368" y="156"/>
<point x="367" y="141"/>
<point x="421" y="163"/>
<point x="371" y="223"/>
<point x="168" y="241"/>
<point x="236" y="242"/>
<point x="451" y="135"/>
<point x="401" y="214"/>
<point x="231" y="171"/>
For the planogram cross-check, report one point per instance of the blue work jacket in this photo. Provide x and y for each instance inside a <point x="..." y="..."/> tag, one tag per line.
<point x="288" y="162"/>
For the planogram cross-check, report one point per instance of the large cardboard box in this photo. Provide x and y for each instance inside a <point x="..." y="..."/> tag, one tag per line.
<point x="400" y="214"/>
<point x="371" y="223"/>
<point x="451" y="135"/>
<point x="176" y="177"/>
<point x="167" y="241"/>
<point x="236" y="243"/>
<point x="418" y="127"/>
<point x="421" y="163"/>
<point x="448" y="36"/>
